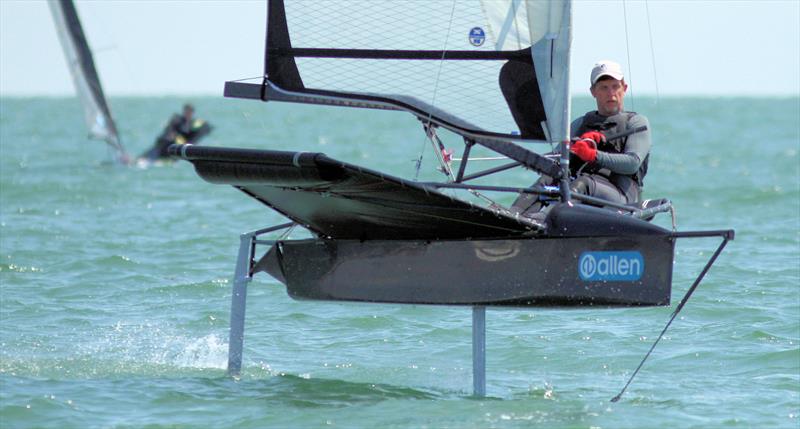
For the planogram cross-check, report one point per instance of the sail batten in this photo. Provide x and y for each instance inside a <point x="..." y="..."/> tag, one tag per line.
<point x="397" y="54"/>
<point x="80" y="62"/>
<point x="471" y="60"/>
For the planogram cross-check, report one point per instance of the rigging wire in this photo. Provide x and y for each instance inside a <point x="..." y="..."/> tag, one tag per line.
<point x="628" y="49"/>
<point x="430" y="133"/>
<point x="248" y="113"/>
<point x="652" y="50"/>
<point x="436" y="87"/>
<point x="259" y="77"/>
<point x="678" y="309"/>
<point x="438" y="148"/>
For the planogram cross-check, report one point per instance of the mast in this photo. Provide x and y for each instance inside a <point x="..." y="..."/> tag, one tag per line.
<point x="552" y="36"/>
<point x="80" y="62"/>
<point x="545" y="26"/>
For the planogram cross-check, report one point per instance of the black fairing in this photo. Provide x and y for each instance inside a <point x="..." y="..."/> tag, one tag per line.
<point x="578" y="220"/>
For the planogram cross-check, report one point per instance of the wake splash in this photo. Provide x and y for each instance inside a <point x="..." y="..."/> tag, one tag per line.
<point x="205" y="352"/>
<point x="121" y="350"/>
<point x="163" y="346"/>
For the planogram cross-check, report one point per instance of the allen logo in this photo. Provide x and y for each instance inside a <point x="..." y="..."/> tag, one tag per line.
<point x="623" y="266"/>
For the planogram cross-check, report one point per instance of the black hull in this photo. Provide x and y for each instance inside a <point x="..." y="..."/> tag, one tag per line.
<point x="386" y="239"/>
<point x="540" y="272"/>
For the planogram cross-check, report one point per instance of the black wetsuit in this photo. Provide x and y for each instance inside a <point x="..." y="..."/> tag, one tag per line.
<point x="179" y="130"/>
<point x="618" y="171"/>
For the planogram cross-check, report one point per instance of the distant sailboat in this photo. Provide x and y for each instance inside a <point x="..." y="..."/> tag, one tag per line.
<point x="84" y="74"/>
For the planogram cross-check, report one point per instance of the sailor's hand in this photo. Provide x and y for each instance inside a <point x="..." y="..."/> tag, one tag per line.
<point x="595" y="136"/>
<point x="585" y="150"/>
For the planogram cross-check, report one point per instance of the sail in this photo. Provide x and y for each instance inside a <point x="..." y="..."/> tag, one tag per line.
<point x="545" y="27"/>
<point x="87" y="82"/>
<point x="482" y="68"/>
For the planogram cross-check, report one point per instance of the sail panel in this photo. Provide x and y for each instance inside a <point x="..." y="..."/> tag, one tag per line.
<point x="84" y="74"/>
<point x="435" y="83"/>
<point x="508" y="23"/>
<point x="551" y="24"/>
<point x="458" y="57"/>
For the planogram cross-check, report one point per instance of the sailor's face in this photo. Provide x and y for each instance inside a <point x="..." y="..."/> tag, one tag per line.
<point x="609" y="95"/>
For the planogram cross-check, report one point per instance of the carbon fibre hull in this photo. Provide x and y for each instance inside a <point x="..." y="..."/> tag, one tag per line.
<point x="624" y="262"/>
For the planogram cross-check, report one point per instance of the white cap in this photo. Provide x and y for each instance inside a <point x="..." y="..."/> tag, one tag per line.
<point x="606" y="68"/>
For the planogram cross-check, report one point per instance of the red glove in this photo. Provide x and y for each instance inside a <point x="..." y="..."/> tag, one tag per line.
<point x="597" y="136"/>
<point x="585" y="150"/>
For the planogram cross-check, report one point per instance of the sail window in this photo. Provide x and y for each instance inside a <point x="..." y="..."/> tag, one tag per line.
<point x="438" y="59"/>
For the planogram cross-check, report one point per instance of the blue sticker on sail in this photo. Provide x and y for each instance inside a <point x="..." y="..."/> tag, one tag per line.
<point x="623" y="266"/>
<point x="477" y="36"/>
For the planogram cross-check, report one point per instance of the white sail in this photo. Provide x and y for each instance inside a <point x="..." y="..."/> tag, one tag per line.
<point x="507" y="24"/>
<point x="551" y="52"/>
<point x="545" y="27"/>
<point x="81" y="66"/>
<point x="486" y="69"/>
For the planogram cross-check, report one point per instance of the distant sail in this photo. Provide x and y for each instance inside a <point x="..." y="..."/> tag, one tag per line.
<point x="87" y="82"/>
<point x="485" y="68"/>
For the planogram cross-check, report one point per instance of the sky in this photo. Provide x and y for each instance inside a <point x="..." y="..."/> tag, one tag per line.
<point x="668" y="47"/>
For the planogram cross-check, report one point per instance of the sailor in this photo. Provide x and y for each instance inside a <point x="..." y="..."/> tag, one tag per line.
<point x="613" y="170"/>
<point x="182" y="128"/>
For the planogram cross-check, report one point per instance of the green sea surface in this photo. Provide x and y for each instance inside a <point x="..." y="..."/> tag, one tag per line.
<point x="115" y="286"/>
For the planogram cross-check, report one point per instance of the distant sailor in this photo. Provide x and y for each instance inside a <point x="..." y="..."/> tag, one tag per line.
<point x="613" y="170"/>
<point x="181" y="129"/>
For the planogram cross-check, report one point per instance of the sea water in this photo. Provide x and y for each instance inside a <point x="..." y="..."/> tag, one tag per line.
<point x="115" y="287"/>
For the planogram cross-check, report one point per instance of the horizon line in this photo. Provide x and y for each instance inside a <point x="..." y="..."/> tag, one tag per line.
<point x="572" y="94"/>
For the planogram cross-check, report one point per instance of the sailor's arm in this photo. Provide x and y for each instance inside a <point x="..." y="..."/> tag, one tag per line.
<point x="636" y="150"/>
